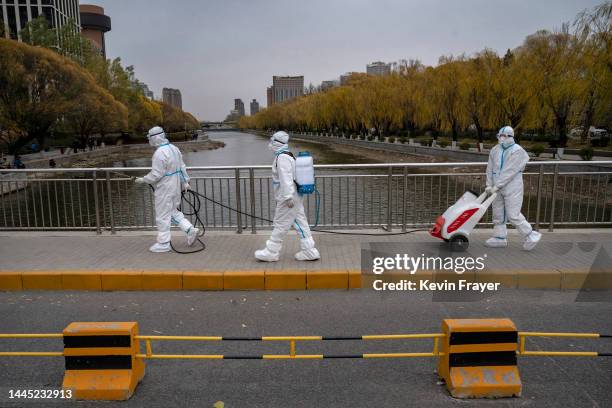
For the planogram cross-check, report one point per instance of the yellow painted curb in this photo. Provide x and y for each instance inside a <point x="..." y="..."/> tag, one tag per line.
<point x="41" y="280"/>
<point x="121" y="280"/>
<point x="333" y="279"/>
<point x="580" y="280"/>
<point x="354" y="279"/>
<point x="162" y="280"/>
<point x="10" y="281"/>
<point x="507" y="279"/>
<point x="96" y="280"/>
<point x="285" y="280"/>
<point x="193" y="280"/>
<point x="81" y="280"/>
<point x="539" y="280"/>
<point x="244" y="280"/>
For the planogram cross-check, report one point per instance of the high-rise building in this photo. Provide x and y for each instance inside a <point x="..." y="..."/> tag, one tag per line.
<point x="146" y="91"/>
<point x="172" y="97"/>
<point x="285" y="88"/>
<point x="15" y="14"/>
<point x="378" y="68"/>
<point x="94" y="23"/>
<point x="269" y="96"/>
<point x="345" y="77"/>
<point x="325" y="85"/>
<point x="254" y="107"/>
<point x="239" y="106"/>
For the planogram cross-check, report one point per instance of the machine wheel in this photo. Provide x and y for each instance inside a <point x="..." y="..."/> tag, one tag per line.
<point x="459" y="243"/>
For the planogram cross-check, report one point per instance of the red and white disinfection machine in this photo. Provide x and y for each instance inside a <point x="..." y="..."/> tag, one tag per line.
<point x="455" y="225"/>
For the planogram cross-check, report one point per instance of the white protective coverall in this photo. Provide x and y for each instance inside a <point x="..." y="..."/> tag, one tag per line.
<point x="507" y="161"/>
<point x="169" y="177"/>
<point x="289" y="206"/>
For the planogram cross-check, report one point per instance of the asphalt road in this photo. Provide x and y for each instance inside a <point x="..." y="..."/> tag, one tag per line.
<point x="547" y="382"/>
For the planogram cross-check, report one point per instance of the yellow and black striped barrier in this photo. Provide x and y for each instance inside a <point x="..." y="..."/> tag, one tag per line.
<point x="104" y="360"/>
<point x="479" y="358"/>
<point x="292" y="347"/>
<point x="101" y="362"/>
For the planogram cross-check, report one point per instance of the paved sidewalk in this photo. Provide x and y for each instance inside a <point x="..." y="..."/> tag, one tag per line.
<point x="565" y="259"/>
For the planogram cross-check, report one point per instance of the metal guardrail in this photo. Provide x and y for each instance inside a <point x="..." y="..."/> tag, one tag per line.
<point x="292" y="346"/>
<point x="394" y="195"/>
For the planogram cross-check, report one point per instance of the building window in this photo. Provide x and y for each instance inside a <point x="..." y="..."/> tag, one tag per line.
<point x="12" y="22"/>
<point x="23" y="16"/>
<point x="48" y="13"/>
<point x="34" y="11"/>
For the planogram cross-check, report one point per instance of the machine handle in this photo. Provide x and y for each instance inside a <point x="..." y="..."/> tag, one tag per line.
<point x="486" y="203"/>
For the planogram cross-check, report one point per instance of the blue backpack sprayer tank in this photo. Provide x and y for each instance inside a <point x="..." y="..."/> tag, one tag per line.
<point x="304" y="173"/>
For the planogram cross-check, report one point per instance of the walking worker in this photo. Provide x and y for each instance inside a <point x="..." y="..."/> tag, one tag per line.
<point x="507" y="161"/>
<point x="169" y="177"/>
<point x="289" y="206"/>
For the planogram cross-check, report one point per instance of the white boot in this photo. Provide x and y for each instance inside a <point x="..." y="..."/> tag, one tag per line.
<point x="192" y="234"/>
<point x="271" y="253"/>
<point x="496" y="242"/>
<point x="308" y="252"/>
<point x="532" y="240"/>
<point x="157" y="247"/>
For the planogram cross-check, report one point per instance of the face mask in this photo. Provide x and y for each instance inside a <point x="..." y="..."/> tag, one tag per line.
<point x="275" y="145"/>
<point x="501" y="139"/>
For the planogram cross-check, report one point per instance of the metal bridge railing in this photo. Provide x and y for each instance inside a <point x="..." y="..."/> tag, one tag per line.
<point x="396" y="195"/>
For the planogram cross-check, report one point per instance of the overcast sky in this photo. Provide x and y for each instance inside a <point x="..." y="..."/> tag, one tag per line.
<point x="215" y="51"/>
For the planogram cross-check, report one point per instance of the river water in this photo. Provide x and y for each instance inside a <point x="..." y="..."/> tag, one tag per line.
<point x="248" y="149"/>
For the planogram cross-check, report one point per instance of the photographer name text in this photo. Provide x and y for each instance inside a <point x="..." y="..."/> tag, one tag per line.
<point x="428" y="285"/>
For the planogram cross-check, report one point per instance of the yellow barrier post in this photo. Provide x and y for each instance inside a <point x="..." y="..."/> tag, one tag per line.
<point x="101" y="362"/>
<point x="478" y="358"/>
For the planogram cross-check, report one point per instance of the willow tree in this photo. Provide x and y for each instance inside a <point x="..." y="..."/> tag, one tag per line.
<point x="593" y="30"/>
<point x="449" y="76"/>
<point x="476" y="93"/>
<point x="95" y="112"/>
<point x="40" y="89"/>
<point x="554" y="61"/>
<point x="512" y="88"/>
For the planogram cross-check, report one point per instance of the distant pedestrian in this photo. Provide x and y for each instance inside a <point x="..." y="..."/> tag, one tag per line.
<point x="17" y="163"/>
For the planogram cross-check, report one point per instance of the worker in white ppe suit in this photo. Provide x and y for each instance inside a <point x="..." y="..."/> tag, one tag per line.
<point x="507" y="161"/>
<point x="289" y="206"/>
<point x="168" y="176"/>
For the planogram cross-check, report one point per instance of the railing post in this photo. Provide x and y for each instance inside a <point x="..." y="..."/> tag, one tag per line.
<point x="110" y="202"/>
<point x="252" y="199"/>
<point x="96" y="204"/>
<point x="551" y="225"/>
<point x="389" y="199"/>
<point x="238" y="202"/>
<point x="404" y="192"/>
<point x="539" y="199"/>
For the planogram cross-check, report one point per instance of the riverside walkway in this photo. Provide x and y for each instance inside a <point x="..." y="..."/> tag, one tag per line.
<point x="565" y="259"/>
